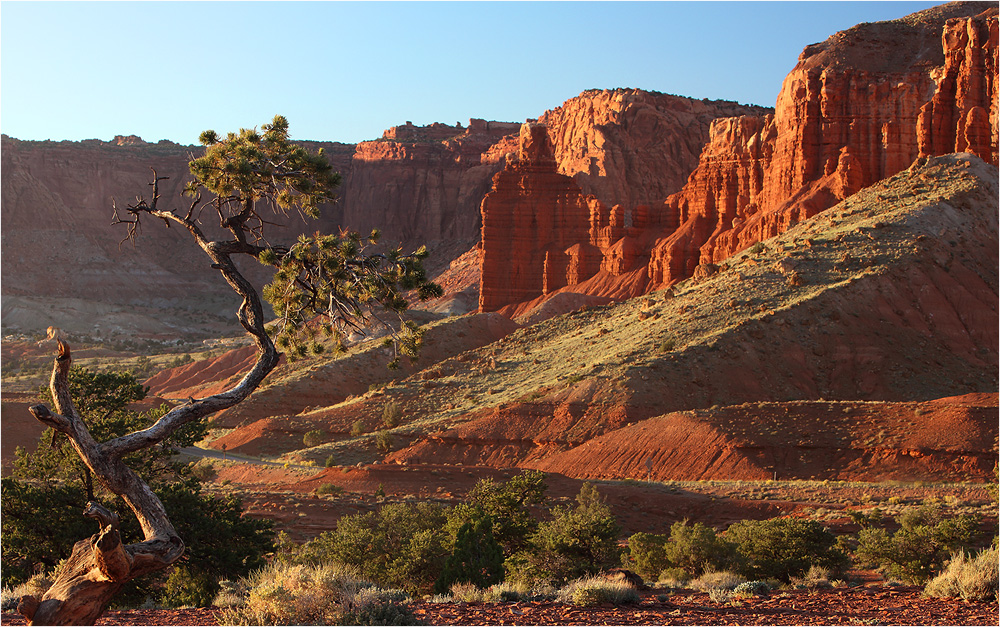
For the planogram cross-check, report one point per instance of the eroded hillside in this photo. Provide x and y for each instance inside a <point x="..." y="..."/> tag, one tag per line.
<point x="889" y="296"/>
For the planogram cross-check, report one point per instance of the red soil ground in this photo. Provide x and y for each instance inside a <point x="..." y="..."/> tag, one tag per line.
<point x="872" y="605"/>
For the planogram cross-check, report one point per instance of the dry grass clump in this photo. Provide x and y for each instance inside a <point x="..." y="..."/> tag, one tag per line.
<point x="816" y="577"/>
<point x="36" y="587"/>
<point x="722" y="580"/>
<point x="328" y="594"/>
<point x="504" y="592"/>
<point x="592" y="591"/>
<point x="968" y="578"/>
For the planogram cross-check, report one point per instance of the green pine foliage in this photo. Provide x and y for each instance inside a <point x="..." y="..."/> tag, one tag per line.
<point x="577" y="541"/>
<point x="343" y="279"/>
<point x="920" y="547"/>
<point x="44" y="496"/>
<point x="477" y="559"/>
<point x="781" y="548"/>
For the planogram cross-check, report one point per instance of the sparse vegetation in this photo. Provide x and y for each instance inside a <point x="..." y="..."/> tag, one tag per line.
<point x="919" y="548"/>
<point x="312" y="438"/>
<point x="968" y="578"/>
<point x="593" y="591"/>
<point x="392" y="413"/>
<point x="383" y="441"/>
<point x="331" y="489"/>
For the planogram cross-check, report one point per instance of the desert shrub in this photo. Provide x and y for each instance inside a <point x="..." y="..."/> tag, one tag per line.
<point x="357" y="428"/>
<point x="592" y="591"/>
<point x="403" y="545"/>
<point x="312" y="438"/>
<point x="230" y="594"/>
<point x="781" y="548"/>
<point x="327" y="594"/>
<point x="331" y="461"/>
<point x="376" y="606"/>
<point x="464" y="592"/>
<point x="577" y="541"/>
<point x="383" y="441"/>
<point x="646" y="554"/>
<point x="696" y="549"/>
<point x="752" y="589"/>
<point x="506" y="504"/>
<point x="721" y="580"/>
<point x="184" y="588"/>
<point x="392" y="413"/>
<point x="815" y="577"/>
<point x="506" y="592"/>
<point x="968" y="578"/>
<point x="293" y="595"/>
<point x="687" y="553"/>
<point x="672" y="578"/>
<point x="35" y="586"/>
<point x="330" y="488"/>
<point x="204" y="471"/>
<point x="475" y="559"/>
<point x="921" y="545"/>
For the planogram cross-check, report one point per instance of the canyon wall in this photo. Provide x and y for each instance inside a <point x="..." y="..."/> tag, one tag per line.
<point x="64" y="263"/>
<point x="569" y="204"/>
<point x="633" y="147"/>
<point x="422" y="184"/>
<point x="417" y="184"/>
<point x="857" y="108"/>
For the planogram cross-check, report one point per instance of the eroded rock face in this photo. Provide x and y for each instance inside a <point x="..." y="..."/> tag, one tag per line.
<point x="417" y="184"/>
<point x="568" y="206"/>
<point x="422" y="184"/>
<point x="530" y="217"/>
<point x="631" y="147"/>
<point x="856" y="109"/>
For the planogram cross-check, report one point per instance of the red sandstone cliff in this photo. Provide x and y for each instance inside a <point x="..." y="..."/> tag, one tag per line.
<point x="564" y="209"/>
<point x="856" y="109"/>
<point x="420" y="184"/>
<point x="633" y="147"/>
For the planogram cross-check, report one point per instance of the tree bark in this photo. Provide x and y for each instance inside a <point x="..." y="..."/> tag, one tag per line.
<point x="98" y="567"/>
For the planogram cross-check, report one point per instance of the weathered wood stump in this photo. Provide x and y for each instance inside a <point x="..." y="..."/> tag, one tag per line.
<point x="95" y="571"/>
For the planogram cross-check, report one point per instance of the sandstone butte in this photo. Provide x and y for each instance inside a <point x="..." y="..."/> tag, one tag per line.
<point x="857" y="108"/>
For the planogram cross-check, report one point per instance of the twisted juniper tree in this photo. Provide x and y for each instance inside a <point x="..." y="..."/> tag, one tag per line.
<point x="322" y="282"/>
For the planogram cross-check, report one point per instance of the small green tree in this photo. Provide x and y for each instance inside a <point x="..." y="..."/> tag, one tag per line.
<point x="577" y="541"/>
<point x="696" y="549"/>
<point x="921" y="546"/>
<point x="392" y="413"/>
<point x="401" y="545"/>
<point x="506" y="504"/>
<point x="781" y="548"/>
<point x="647" y="554"/>
<point x="338" y="280"/>
<point x="476" y="558"/>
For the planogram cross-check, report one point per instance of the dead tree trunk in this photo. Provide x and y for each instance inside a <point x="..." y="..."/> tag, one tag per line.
<point x="98" y="567"/>
<point x="245" y="171"/>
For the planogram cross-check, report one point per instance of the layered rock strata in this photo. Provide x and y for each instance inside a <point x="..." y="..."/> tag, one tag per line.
<point x="564" y="210"/>
<point x="422" y="184"/>
<point x="857" y="108"/>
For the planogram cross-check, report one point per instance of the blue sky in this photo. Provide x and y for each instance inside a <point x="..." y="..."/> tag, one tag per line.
<point x="345" y="71"/>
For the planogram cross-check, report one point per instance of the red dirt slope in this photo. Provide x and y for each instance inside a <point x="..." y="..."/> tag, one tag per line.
<point x="951" y="439"/>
